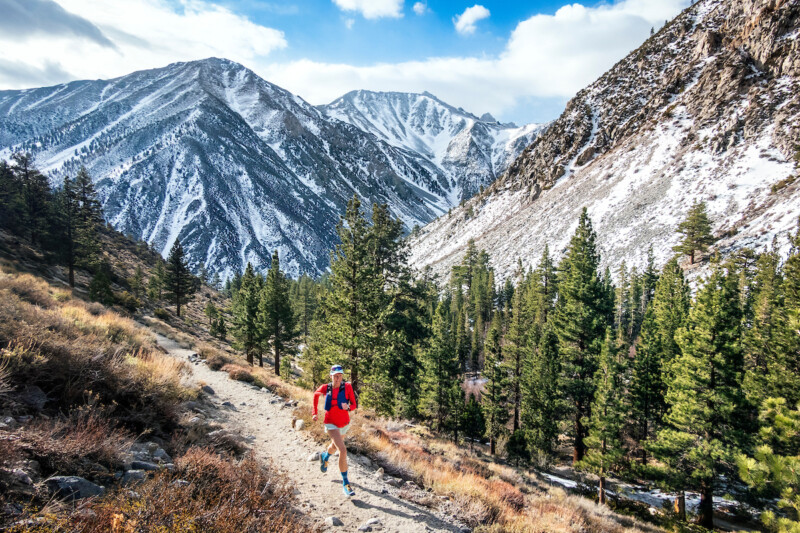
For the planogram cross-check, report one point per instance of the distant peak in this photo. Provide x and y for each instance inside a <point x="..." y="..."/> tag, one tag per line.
<point x="487" y="117"/>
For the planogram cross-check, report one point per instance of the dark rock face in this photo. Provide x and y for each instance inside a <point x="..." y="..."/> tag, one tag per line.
<point x="72" y="488"/>
<point x="740" y="47"/>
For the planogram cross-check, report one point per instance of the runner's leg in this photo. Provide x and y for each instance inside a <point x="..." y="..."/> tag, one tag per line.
<point x="338" y="441"/>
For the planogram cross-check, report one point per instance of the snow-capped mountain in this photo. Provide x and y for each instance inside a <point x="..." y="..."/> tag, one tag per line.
<point x="210" y="153"/>
<point x="706" y="109"/>
<point x="471" y="151"/>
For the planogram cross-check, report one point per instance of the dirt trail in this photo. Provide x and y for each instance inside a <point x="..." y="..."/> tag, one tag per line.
<point x="267" y="427"/>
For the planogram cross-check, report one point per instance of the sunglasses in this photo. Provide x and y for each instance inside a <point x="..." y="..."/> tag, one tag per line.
<point x="336" y="369"/>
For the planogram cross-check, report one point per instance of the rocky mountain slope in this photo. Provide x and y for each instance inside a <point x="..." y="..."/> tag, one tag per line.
<point x="471" y="151"/>
<point x="706" y="109"/>
<point x="212" y="154"/>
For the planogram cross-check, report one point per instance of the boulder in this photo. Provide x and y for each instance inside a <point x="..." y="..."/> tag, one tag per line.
<point x="299" y="425"/>
<point x="132" y="477"/>
<point x="379" y="473"/>
<point x="313" y="457"/>
<point x="394" y="482"/>
<point x="208" y="390"/>
<point x="72" y="488"/>
<point x="333" y="521"/>
<point x="144" y="465"/>
<point x="161" y="456"/>
<point x="33" y="397"/>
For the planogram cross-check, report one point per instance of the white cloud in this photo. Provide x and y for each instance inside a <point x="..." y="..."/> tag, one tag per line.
<point x="348" y="23"/>
<point x="145" y="34"/>
<point x="465" y="22"/>
<point x="546" y="56"/>
<point x="420" y="8"/>
<point x="373" y="9"/>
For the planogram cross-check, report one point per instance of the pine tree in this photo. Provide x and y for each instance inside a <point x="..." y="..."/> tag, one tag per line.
<point x="100" y="286"/>
<point x="305" y="301"/>
<point x="352" y="303"/>
<point x="136" y="282"/>
<point x="473" y="423"/>
<point x="212" y="313"/>
<point x="245" y="314"/>
<point x="179" y="283"/>
<point x="440" y="365"/>
<point x="216" y="282"/>
<point x="68" y="210"/>
<point x="540" y="395"/>
<point x="12" y="204"/>
<point x="764" y="348"/>
<point x="495" y="395"/>
<point x="708" y="411"/>
<point x="88" y="220"/>
<point x="581" y="318"/>
<point x="276" y="317"/>
<point x="515" y="343"/>
<point x="36" y="196"/>
<point x="604" y="442"/>
<point x="202" y="273"/>
<point x="775" y="466"/>
<point x="155" y="285"/>
<point x="696" y="231"/>
<point x="656" y="349"/>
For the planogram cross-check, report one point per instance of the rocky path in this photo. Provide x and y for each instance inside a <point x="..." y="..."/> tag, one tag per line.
<point x="267" y="428"/>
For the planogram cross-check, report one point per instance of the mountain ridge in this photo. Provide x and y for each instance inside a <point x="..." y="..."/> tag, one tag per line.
<point x="234" y="166"/>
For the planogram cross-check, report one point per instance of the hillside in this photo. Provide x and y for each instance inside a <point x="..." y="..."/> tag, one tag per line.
<point x="233" y="165"/>
<point x="706" y="109"/>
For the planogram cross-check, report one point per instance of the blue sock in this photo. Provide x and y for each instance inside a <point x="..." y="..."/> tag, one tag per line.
<point x="325" y="455"/>
<point x="344" y="478"/>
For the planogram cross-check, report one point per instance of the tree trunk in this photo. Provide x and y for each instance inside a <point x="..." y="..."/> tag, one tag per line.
<point x="580" y="449"/>
<point x="680" y="506"/>
<point x="706" y="509"/>
<point x="491" y="446"/>
<point x="249" y="357"/>
<point x="178" y="305"/>
<point x="354" y="369"/>
<point x="601" y="490"/>
<point x="277" y="362"/>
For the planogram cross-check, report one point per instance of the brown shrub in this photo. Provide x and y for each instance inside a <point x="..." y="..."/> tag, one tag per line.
<point x="238" y="373"/>
<point x="27" y="287"/>
<point x="206" y="492"/>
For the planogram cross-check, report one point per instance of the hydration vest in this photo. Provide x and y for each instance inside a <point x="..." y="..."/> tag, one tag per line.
<point x="341" y="397"/>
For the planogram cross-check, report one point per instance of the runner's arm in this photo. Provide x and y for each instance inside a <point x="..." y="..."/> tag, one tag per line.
<point x="352" y="397"/>
<point x="317" y="393"/>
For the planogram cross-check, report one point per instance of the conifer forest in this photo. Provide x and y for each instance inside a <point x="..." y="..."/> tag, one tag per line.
<point x="632" y="373"/>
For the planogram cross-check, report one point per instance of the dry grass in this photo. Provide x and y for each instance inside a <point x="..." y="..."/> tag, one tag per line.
<point x="71" y="446"/>
<point x="79" y="353"/>
<point x="205" y="493"/>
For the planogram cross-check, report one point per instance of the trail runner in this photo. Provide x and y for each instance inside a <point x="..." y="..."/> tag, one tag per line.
<point x="340" y="401"/>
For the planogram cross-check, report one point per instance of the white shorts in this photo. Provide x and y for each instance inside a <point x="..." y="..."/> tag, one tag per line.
<point x="342" y="431"/>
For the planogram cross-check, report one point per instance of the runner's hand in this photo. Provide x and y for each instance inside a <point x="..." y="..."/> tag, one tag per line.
<point x="314" y="418"/>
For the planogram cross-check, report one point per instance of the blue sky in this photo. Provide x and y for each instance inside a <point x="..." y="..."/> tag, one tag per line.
<point x="521" y="61"/>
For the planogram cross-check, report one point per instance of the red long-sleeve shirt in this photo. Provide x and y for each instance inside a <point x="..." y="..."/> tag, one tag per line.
<point x="335" y="416"/>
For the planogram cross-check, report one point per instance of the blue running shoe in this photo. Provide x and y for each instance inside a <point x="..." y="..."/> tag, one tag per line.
<point x="323" y="461"/>
<point x="348" y="490"/>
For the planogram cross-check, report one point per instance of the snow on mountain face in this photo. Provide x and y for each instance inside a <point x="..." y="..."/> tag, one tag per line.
<point x="472" y="152"/>
<point x="706" y="109"/>
<point x="212" y="154"/>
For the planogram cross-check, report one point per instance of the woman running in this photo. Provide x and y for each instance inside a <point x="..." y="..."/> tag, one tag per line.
<point x="340" y="401"/>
